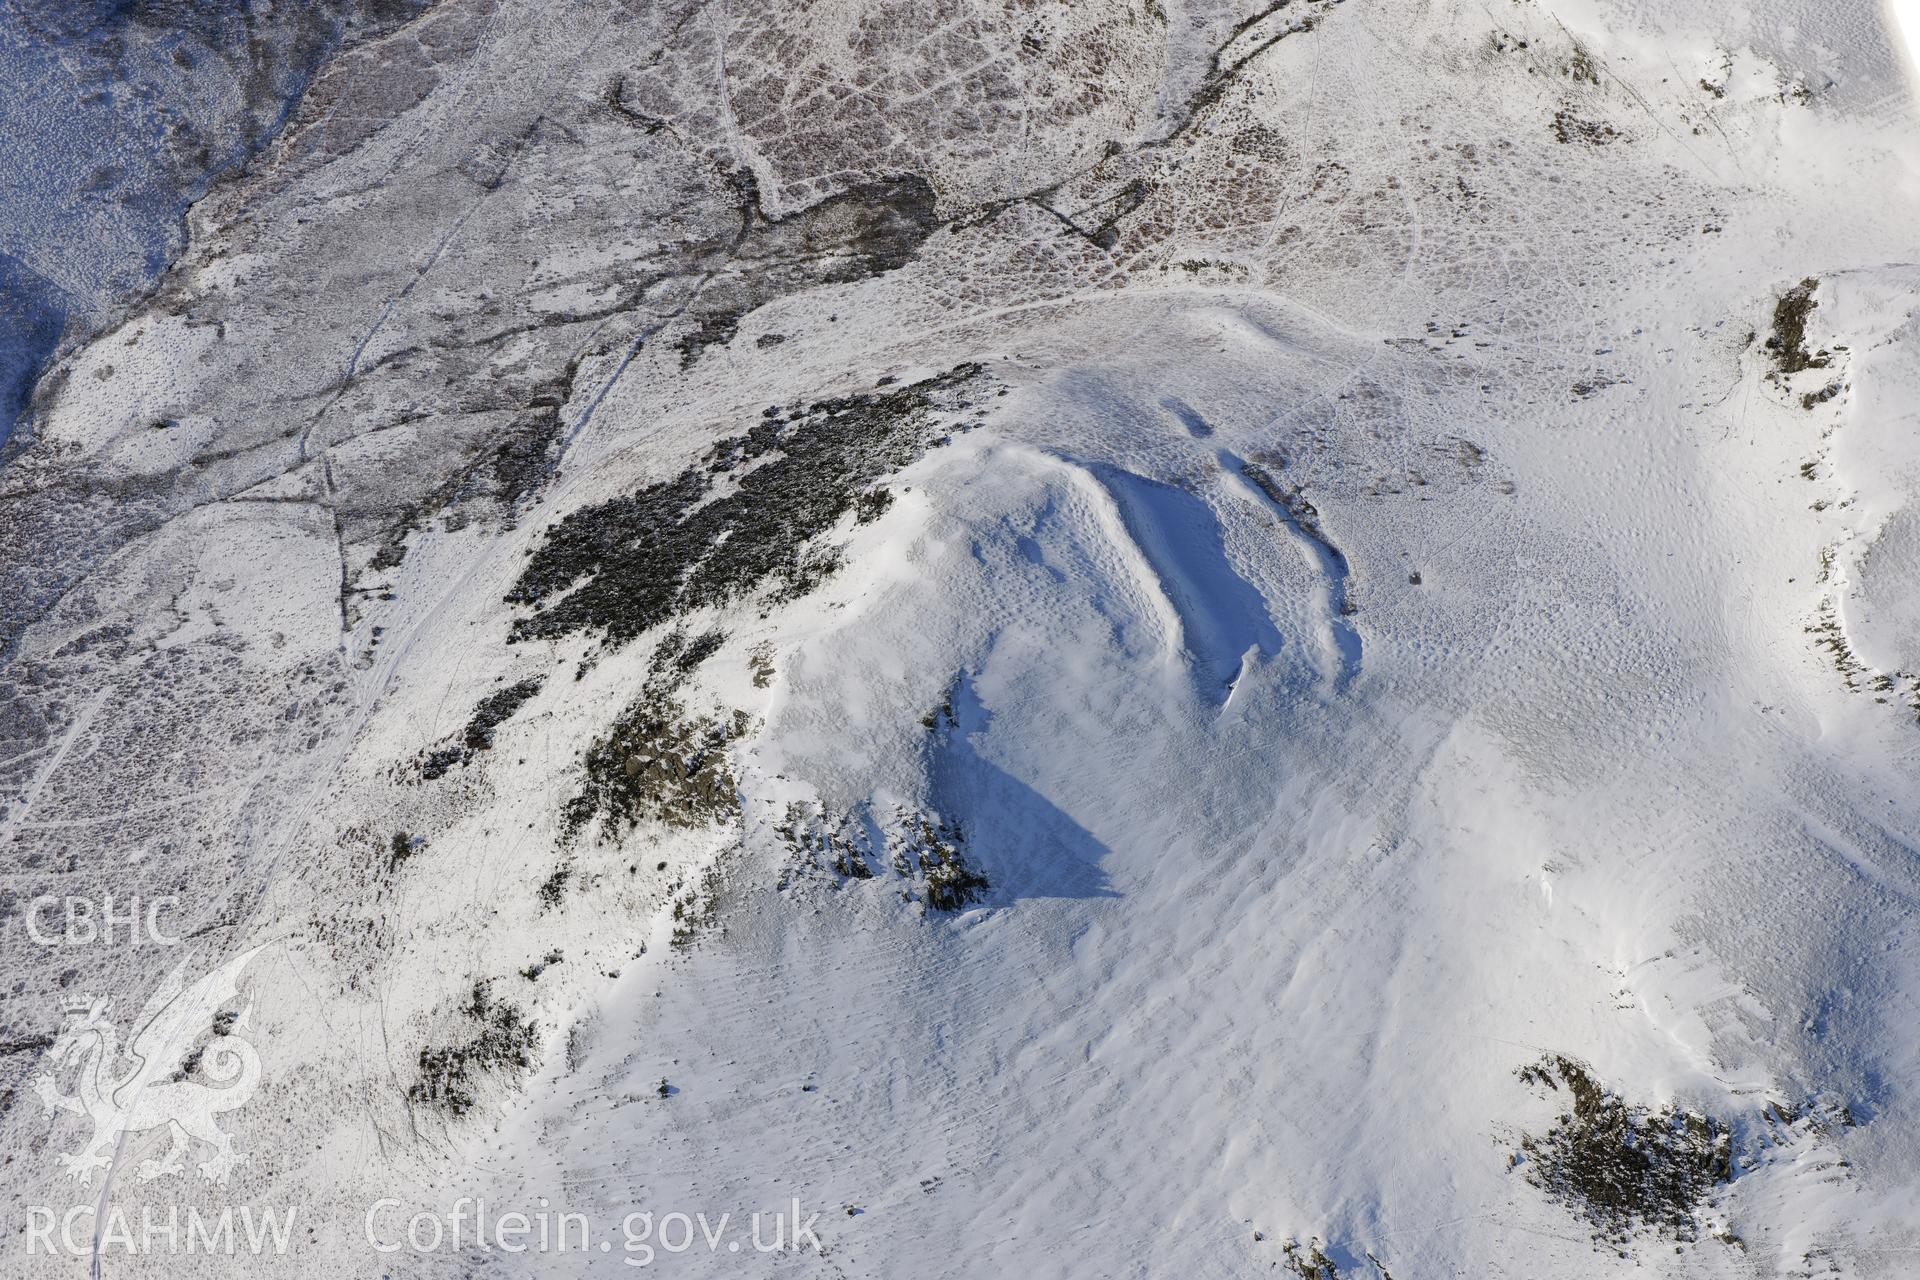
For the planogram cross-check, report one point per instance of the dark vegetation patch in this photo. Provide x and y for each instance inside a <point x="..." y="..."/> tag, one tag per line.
<point x="742" y="520"/>
<point x="222" y="1024"/>
<point x="533" y="971"/>
<point x="554" y="888"/>
<point x="1581" y="67"/>
<point x="1830" y="637"/>
<point x="1568" y="127"/>
<point x="1309" y="1262"/>
<point x="402" y="847"/>
<point x="1305" y="518"/>
<point x="508" y="477"/>
<point x="1623" y="1167"/>
<point x="865" y="231"/>
<point x="1824" y="394"/>
<point x="715" y="329"/>
<point x="1292" y="499"/>
<point x="24" y="1044"/>
<point x="696" y="908"/>
<point x="495" y="709"/>
<point x="760" y="661"/>
<point x="941" y="718"/>
<point x="950" y="883"/>
<point x="500" y="1038"/>
<point x="488" y="715"/>
<point x="843" y="848"/>
<point x="525" y="459"/>
<point x="658" y="763"/>
<point x="919" y="847"/>
<point x="682" y="655"/>
<point x="1788" y="341"/>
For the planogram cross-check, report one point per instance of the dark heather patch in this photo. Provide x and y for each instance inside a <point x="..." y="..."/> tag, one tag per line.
<point x="501" y="1038"/>
<point x="1820" y="397"/>
<point x="1293" y="501"/>
<point x="863" y="232"/>
<point x="488" y="715"/>
<point x="928" y="853"/>
<point x="844" y="847"/>
<point x="553" y="889"/>
<point x="441" y="761"/>
<point x="698" y="651"/>
<point x="503" y="480"/>
<point x="1788" y="341"/>
<point x="495" y="709"/>
<point x="33" y="314"/>
<point x="659" y="764"/>
<point x="741" y="520"/>
<point x="1309" y="1262"/>
<point x="951" y="882"/>
<point x="1623" y="1167"/>
<point x="1570" y="128"/>
<point x="525" y="459"/>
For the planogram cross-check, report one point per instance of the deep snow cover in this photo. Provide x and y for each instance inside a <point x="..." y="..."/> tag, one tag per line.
<point x="1119" y="638"/>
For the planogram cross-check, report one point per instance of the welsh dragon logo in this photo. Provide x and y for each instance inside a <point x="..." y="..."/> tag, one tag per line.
<point x="169" y="1045"/>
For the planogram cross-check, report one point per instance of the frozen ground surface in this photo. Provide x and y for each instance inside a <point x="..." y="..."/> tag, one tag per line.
<point x="115" y="117"/>
<point x="1124" y="638"/>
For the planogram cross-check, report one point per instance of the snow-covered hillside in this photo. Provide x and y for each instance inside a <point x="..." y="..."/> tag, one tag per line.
<point x="1128" y="638"/>
<point x="117" y="116"/>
